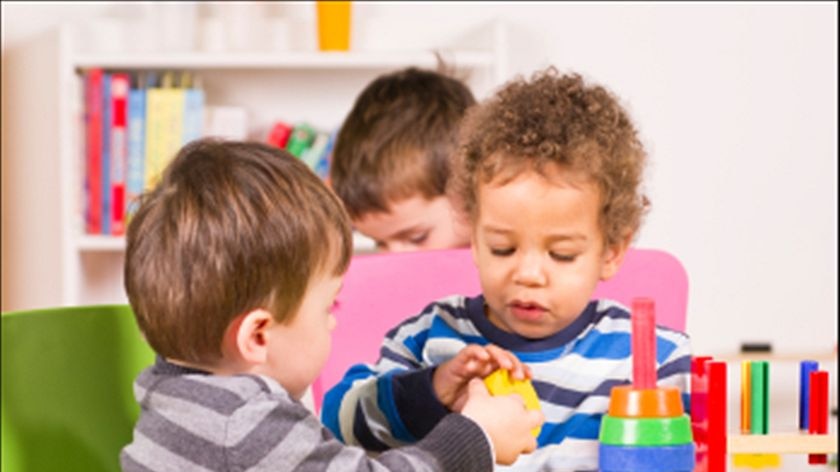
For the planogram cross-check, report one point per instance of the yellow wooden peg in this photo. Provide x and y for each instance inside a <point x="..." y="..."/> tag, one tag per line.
<point x="757" y="461"/>
<point x="500" y="383"/>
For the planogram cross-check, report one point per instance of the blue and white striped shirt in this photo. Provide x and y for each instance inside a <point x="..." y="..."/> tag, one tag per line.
<point x="392" y="403"/>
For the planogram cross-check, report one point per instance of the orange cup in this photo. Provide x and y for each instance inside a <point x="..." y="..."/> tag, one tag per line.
<point x="333" y="25"/>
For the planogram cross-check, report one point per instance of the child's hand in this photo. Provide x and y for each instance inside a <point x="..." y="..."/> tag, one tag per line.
<point x="505" y="419"/>
<point x="451" y="378"/>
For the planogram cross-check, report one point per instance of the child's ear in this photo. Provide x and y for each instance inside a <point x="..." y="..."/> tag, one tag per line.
<point x="249" y="338"/>
<point x="612" y="258"/>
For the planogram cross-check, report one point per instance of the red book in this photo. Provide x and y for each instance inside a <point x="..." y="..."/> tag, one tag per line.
<point x="93" y="151"/>
<point x="120" y="84"/>
<point x="279" y="134"/>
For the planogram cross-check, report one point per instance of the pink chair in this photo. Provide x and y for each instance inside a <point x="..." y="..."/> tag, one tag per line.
<point x="380" y="290"/>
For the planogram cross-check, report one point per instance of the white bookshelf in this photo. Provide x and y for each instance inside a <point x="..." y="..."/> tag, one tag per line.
<point x="292" y="86"/>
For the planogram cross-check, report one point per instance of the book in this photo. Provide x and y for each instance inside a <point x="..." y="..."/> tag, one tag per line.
<point x="302" y="137"/>
<point x="279" y="134"/>
<point x="120" y="84"/>
<point x="193" y="115"/>
<point x="313" y="153"/>
<point x="164" y="127"/>
<point x="134" y="175"/>
<point x="322" y="166"/>
<point x="105" y="155"/>
<point x="93" y="151"/>
<point x="193" y="109"/>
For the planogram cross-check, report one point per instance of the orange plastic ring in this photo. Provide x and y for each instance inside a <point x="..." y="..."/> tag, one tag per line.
<point x="661" y="402"/>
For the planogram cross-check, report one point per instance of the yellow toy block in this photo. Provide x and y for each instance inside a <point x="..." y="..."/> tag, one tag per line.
<point x="757" y="461"/>
<point x="500" y="383"/>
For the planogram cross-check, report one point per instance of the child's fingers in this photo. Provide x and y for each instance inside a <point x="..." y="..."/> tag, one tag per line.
<point x="471" y="359"/>
<point x="477" y="389"/>
<point x="507" y="360"/>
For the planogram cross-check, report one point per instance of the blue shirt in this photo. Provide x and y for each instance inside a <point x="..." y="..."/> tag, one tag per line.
<point x="392" y="403"/>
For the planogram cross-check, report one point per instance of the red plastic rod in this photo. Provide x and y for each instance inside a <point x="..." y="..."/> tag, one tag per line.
<point x="644" y="344"/>
<point x="717" y="417"/>
<point x="818" y="410"/>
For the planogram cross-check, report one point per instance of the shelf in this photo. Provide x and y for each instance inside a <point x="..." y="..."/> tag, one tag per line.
<point x="782" y="443"/>
<point x="281" y="60"/>
<point x="93" y="243"/>
<point x="89" y="243"/>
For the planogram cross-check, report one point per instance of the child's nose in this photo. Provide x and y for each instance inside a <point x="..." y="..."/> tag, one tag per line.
<point x="530" y="271"/>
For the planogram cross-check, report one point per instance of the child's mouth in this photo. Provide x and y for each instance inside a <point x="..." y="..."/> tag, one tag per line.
<point x="527" y="311"/>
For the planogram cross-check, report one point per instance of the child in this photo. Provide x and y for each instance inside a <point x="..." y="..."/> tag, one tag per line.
<point x="232" y="265"/>
<point x="549" y="172"/>
<point x="392" y="159"/>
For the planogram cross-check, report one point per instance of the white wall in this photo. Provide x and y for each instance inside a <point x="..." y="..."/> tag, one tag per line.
<point x="736" y="103"/>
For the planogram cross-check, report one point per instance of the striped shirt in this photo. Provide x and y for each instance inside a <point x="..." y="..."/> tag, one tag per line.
<point x="392" y="403"/>
<point x="194" y="421"/>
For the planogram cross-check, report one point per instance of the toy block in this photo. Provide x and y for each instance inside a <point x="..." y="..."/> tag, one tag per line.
<point x="500" y="383"/>
<point x="746" y="398"/>
<point x="646" y="431"/>
<point x="782" y="443"/>
<point x="818" y="410"/>
<point x="678" y="458"/>
<point x="629" y="402"/>
<point x="759" y="395"/>
<point x="717" y="447"/>
<point x="756" y="461"/>
<point x="805" y="369"/>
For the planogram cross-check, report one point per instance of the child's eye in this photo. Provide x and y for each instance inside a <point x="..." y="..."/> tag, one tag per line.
<point x="501" y="252"/>
<point x="419" y="239"/>
<point x="563" y="257"/>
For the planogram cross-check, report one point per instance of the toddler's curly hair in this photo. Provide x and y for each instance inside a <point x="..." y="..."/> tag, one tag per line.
<point x="555" y="119"/>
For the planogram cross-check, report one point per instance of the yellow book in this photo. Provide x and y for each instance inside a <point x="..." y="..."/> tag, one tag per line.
<point x="164" y="128"/>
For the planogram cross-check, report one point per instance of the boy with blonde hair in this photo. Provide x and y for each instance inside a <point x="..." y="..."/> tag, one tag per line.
<point x="233" y="263"/>
<point x="549" y="172"/>
<point x="392" y="157"/>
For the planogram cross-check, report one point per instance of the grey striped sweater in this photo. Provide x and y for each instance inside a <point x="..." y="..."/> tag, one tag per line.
<point x="194" y="421"/>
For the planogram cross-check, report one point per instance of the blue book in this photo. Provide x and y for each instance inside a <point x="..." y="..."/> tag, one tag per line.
<point x="322" y="166"/>
<point x="106" y="153"/>
<point x="135" y="172"/>
<point x="193" y="114"/>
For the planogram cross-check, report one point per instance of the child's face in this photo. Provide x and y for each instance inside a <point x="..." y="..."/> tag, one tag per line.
<point x="299" y="349"/>
<point x="415" y="223"/>
<point x="539" y="250"/>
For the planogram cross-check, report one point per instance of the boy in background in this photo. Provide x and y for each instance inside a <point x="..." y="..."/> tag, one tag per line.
<point x="233" y="263"/>
<point x="391" y="160"/>
<point x="549" y="173"/>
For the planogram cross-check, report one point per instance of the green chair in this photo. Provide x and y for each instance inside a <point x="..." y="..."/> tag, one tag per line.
<point x="67" y="373"/>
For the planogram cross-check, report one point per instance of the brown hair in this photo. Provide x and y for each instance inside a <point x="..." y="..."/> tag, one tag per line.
<point x="231" y="227"/>
<point x="561" y="120"/>
<point x="398" y="139"/>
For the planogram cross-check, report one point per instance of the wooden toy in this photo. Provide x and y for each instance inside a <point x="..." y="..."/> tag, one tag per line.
<point x="755" y="446"/>
<point x="500" y="383"/>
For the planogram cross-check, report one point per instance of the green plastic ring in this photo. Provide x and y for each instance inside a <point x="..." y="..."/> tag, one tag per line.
<point x="645" y="431"/>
